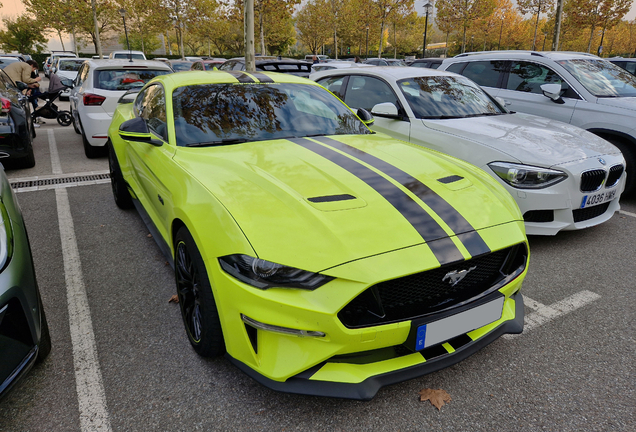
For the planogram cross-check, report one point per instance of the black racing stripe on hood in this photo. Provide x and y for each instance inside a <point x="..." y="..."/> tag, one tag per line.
<point x="474" y="243"/>
<point x="262" y="77"/>
<point x="436" y="238"/>
<point x="241" y="77"/>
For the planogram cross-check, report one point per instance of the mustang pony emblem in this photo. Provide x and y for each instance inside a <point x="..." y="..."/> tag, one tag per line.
<point x="457" y="276"/>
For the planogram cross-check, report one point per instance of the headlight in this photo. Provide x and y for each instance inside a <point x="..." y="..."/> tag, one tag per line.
<point x="6" y="237"/>
<point x="265" y="274"/>
<point x="526" y="176"/>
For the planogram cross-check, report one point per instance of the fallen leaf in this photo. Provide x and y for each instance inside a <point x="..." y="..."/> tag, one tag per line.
<point x="149" y="236"/>
<point x="174" y="299"/>
<point x="102" y="226"/>
<point x="436" y="397"/>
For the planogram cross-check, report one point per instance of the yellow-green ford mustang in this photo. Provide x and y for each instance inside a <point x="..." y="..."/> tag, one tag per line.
<point x="321" y="257"/>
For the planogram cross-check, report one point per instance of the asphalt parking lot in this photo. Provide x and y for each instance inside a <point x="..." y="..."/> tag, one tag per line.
<point x="573" y="368"/>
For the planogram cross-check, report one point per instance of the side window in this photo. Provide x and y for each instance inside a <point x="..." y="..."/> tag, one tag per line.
<point x="238" y="66"/>
<point x="154" y="110"/>
<point x="139" y="101"/>
<point x="529" y="77"/>
<point x="456" y="67"/>
<point x="484" y="73"/>
<point x="630" y="67"/>
<point x="334" y="85"/>
<point x="366" y="92"/>
<point x="227" y="65"/>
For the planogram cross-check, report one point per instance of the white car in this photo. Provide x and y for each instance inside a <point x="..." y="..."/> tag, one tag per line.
<point x="335" y="65"/>
<point x="50" y="61"/>
<point x="66" y="68"/>
<point x="126" y="55"/>
<point x="577" y="88"/>
<point x="562" y="177"/>
<point x="97" y="88"/>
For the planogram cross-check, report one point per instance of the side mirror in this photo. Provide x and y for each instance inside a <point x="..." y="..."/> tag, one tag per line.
<point x="365" y="116"/>
<point x="137" y="130"/>
<point x="553" y="91"/>
<point x="386" y="109"/>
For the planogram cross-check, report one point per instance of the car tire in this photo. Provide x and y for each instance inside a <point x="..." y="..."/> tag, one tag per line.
<point x="28" y="161"/>
<point x="630" y="160"/>
<point x="90" y="151"/>
<point x="196" y="300"/>
<point x="117" y="183"/>
<point x="44" y="347"/>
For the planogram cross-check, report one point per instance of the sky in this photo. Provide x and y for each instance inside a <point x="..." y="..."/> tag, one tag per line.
<point x="13" y="8"/>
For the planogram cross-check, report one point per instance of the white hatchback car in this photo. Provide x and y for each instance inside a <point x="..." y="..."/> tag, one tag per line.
<point x="562" y="177"/>
<point x="98" y="86"/>
<point x="577" y="88"/>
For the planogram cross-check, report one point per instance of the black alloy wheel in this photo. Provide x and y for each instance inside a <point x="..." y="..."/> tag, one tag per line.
<point x="117" y="183"/>
<point x="198" y="308"/>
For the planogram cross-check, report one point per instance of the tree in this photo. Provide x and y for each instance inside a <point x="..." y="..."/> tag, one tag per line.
<point x="387" y="10"/>
<point x="464" y="14"/>
<point x="536" y="7"/>
<point x="22" y="35"/>
<point x="272" y="14"/>
<point x="312" y="23"/>
<point x="596" y="13"/>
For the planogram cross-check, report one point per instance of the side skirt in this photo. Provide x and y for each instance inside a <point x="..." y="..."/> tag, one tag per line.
<point x="163" y="246"/>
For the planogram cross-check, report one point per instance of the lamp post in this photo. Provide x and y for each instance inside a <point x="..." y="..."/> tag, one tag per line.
<point x="503" y="17"/>
<point x="122" y="12"/>
<point x="366" y="56"/>
<point x="428" y="6"/>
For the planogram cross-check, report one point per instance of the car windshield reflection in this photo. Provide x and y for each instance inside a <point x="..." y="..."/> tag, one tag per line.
<point x="601" y="78"/>
<point x="221" y="114"/>
<point x="443" y="97"/>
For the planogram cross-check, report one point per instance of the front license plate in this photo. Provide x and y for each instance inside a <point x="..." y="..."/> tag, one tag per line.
<point x="447" y="328"/>
<point x="599" y="198"/>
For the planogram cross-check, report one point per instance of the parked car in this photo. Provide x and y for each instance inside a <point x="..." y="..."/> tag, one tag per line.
<point x="629" y="64"/>
<point x="319" y="57"/>
<point x="271" y="64"/>
<point x="562" y="177"/>
<point x="576" y="88"/>
<point x="179" y="65"/>
<point x="20" y="57"/>
<point x="67" y="69"/>
<point x="192" y="58"/>
<point x="98" y="86"/>
<point x="24" y="332"/>
<point x="53" y="58"/>
<point x="16" y="125"/>
<point x="5" y="61"/>
<point x="127" y="55"/>
<point x="336" y="65"/>
<point x="385" y="62"/>
<point x="207" y="64"/>
<point x="430" y="62"/>
<point x="301" y="241"/>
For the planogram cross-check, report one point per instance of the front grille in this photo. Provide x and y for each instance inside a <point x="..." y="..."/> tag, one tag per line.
<point x="614" y="176"/>
<point x="584" y="214"/>
<point x="592" y="180"/>
<point x="432" y="291"/>
<point x="539" y="216"/>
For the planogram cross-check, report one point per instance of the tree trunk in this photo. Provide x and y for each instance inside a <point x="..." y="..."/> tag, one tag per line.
<point x="534" y="39"/>
<point x="589" y="45"/>
<point x="262" y="31"/>
<point x="381" y="37"/>
<point x="59" y="33"/>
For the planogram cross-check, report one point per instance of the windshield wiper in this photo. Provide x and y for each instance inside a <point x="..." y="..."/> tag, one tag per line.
<point x="225" y="141"/>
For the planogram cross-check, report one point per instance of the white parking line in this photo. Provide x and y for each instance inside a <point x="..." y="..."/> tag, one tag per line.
<point x="56" y="167"/>
<point x="543" y="314"/>
<point x="88" y="377"/>
<point x="627" y="213"/>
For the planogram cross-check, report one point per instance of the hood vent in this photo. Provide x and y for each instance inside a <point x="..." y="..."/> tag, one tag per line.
<point x="331" y="198"/>
<point x="450" y="179"/>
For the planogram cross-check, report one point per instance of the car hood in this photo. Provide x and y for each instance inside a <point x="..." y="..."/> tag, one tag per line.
<point x="528" y="139"/>
<point x="315" y="206"/>
<point x="619" y="102"/>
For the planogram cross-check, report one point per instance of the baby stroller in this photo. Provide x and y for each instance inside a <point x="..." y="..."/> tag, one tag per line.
<point x="49" y="110"/>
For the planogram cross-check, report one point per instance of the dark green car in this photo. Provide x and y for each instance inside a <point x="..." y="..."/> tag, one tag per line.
<point x="24" y="333"/>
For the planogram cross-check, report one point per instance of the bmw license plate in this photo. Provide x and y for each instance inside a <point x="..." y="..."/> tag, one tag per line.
<point x="447" y="328"/>
<point x="599" y="198"/>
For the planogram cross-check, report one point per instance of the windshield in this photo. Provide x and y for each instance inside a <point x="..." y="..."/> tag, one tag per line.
<point x="442" y="97"/>
<point x="181" y="66"/>
<point x="128" y="55"/>
<point x="216" y="114"/>
<point x="396" y="63"/>
<point x="70" y="65"/>
<point x="602" y="78"/>
<point x="125" y="79"/>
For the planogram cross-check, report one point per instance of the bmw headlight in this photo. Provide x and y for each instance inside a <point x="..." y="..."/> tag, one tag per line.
<point x="6" y="237"/>
<point x="266" y="274"/>
<point x="527" y="176"/>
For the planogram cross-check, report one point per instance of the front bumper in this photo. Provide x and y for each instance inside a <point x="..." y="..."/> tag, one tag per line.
<point x="313" y="381"/>
<point x="360" y="358"/>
